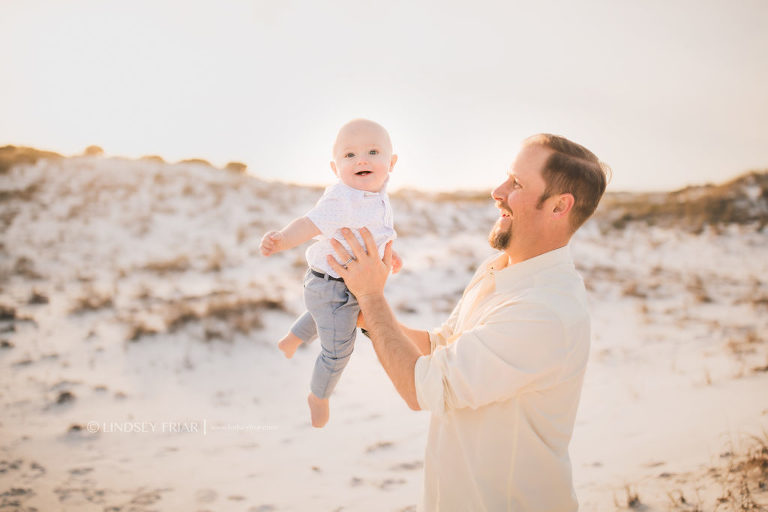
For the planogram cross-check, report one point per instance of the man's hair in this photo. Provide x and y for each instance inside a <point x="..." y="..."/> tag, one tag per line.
<point x="572" y="169"/>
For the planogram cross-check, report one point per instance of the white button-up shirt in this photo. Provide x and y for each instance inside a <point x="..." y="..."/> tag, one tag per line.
<point x="343" y="206"/>
<point x="503" y="382"/>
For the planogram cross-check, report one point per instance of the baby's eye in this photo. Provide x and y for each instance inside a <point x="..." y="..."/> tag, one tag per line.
<point x="349" y="155"/>
<point x="373" y="152"/>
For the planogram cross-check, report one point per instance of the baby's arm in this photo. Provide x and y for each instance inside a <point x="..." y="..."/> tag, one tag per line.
<point x="295" y="233"/>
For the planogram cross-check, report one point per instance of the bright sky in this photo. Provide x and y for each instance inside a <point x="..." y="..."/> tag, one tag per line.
<point x="667" y="92"/>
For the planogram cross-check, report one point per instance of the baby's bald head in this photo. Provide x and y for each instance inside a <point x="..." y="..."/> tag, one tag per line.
<point x="362" y="128"/>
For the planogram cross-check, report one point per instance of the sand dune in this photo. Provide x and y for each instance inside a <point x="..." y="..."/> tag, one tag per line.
<point x="139" y="368"/>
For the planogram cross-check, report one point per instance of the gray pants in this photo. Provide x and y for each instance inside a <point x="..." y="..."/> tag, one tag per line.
<point x="332" y="315"/>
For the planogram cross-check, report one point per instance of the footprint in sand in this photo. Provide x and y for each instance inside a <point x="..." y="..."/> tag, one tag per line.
<point x="262" y="508"/>
<point x="65" y="397"/>
<point x="381" y="445"/>
<point x="36" y="470"/>
<point x="7" y="465"/>
<point x="80" y="471"/>
<point x="14" y="497"/>
<point x="408" y="466"/>
<point x="206" y="496"/>
<point x="391" y="482"/>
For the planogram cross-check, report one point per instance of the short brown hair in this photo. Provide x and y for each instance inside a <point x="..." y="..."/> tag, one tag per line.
<point x="572" y="169"/>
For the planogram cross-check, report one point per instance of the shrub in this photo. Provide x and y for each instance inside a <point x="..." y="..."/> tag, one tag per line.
<point x="198" y="161"/>
<point x="693" y="208"/>
<point x="236" y="167"/>
<point x="93" y="151"/>
<point x="15" y="155"/>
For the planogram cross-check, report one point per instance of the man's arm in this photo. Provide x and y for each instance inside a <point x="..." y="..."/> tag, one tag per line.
<point x="395" y="350"/>
<point x="365" y="277"/>
<point x="418" y="338"/>
<point x="292" y="235"/>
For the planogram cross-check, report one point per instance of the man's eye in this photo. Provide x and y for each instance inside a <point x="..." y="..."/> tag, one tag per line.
<point x="349" y="155"/>
<point x="373" y="152"/>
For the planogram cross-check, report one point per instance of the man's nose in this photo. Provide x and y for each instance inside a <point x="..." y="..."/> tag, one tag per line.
<point x="498" y="194"/>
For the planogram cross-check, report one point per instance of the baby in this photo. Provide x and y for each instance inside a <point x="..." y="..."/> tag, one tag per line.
<point x="362" y="160"/>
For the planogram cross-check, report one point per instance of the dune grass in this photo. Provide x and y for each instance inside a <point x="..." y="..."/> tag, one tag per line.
<point x="15" y="155"/>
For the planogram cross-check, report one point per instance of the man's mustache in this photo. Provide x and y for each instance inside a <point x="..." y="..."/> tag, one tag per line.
<point x="501" y="206"/>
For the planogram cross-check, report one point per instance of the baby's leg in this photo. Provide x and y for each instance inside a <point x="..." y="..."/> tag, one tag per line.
<point x="302" y="330"/>
<point x="335" y="311"/>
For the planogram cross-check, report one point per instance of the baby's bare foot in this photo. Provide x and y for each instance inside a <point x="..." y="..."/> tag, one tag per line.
<point x="319" y="410"/>
<point x="289" y="344"/>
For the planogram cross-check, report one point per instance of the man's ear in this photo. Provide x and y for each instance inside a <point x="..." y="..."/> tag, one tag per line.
<point x="392" y="162"/>
<point x="563" y="205"/>
<point x="333" y="168"/>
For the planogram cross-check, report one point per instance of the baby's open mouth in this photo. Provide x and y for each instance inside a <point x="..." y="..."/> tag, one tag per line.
<point x="363" y="173"/>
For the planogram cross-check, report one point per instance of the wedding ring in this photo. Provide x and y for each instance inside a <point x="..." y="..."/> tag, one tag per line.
<point x="351" y="258"/>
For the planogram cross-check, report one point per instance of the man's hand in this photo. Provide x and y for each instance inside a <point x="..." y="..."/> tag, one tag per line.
<point x="365" y="274"/>
<point x="272" y="243"/>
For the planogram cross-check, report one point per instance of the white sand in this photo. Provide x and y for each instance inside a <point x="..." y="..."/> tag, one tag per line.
<point x="665" y="393"/>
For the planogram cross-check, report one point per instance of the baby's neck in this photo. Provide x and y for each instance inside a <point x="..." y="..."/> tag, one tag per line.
<point x="382" y="189"/>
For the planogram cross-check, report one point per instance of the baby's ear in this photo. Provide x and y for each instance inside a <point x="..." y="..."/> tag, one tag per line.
<point x="392" y="162"/>
<point x="333" y="168"/>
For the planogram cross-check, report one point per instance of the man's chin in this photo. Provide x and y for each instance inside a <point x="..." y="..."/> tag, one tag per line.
<point x="499" y="239"/>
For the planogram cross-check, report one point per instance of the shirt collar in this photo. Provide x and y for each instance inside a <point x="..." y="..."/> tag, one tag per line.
<point x="508" y="275"/>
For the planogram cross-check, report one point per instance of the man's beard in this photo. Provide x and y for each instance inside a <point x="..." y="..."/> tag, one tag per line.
<point x="500" y="239"/>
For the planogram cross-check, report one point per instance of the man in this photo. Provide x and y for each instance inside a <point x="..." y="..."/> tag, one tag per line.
<point x="502" y="377"/>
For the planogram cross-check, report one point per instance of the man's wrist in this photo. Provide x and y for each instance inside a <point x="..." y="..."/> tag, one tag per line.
<point x="369" y="298"/>
<point x="368" y="304"/>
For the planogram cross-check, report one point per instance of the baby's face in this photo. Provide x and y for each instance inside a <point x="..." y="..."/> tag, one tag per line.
<point x="362" y="155"/>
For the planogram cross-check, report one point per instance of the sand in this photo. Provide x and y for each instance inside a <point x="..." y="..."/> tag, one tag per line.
<point x="139" y="367"/>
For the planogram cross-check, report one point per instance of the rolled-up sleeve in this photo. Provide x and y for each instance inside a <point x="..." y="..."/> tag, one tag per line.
<point x="441" y="335"/>
<point x="517" y="348"/>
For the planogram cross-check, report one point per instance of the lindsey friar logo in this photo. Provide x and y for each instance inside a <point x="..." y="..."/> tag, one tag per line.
<point x="148" y="427"/>
<point x="202" y="426"/>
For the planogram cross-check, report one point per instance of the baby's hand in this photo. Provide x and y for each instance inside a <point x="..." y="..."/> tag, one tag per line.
<point x="272" y="243"/>
<point x="397" y="263"/>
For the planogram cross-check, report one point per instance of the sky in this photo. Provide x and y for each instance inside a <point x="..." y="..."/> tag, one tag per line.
<point x="668" y="93"/>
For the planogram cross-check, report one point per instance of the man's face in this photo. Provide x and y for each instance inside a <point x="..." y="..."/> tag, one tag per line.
<point x="518" y="200"/>
<point x="362" y="156"/>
